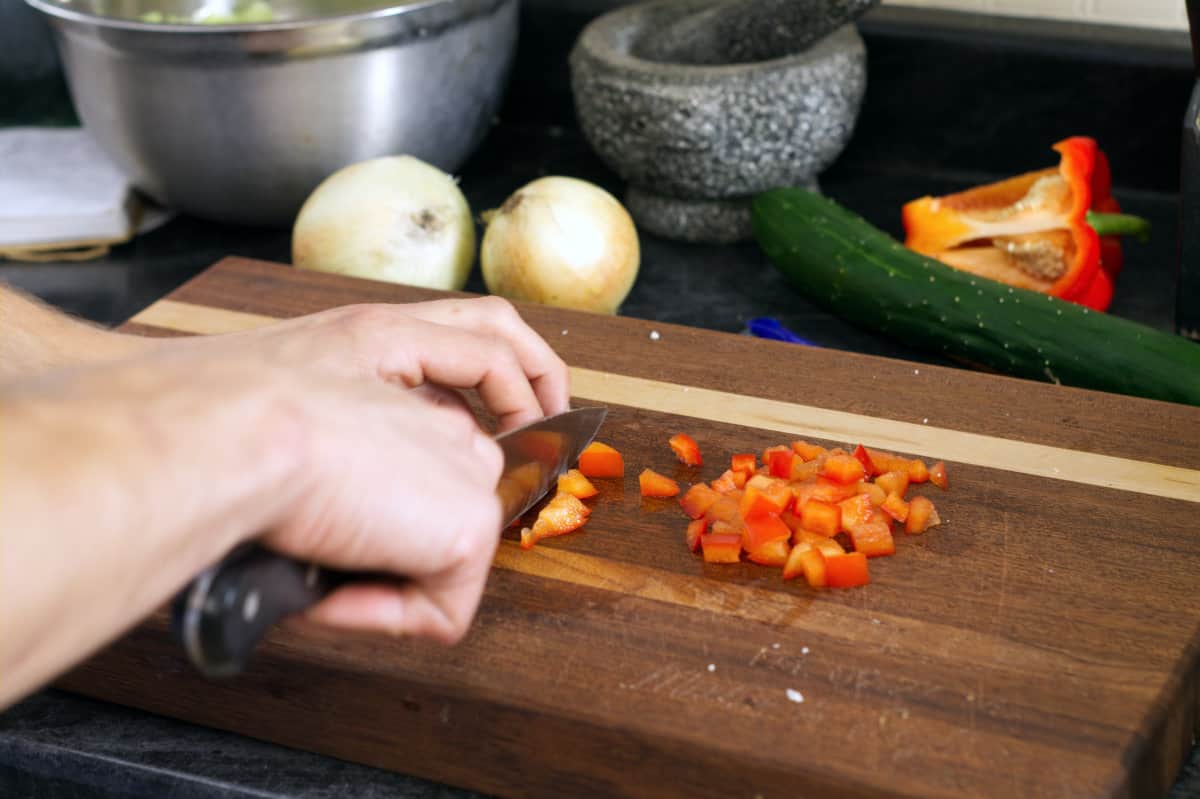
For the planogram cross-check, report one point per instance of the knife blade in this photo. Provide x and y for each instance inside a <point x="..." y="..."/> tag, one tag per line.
<point x="226" y="610"/>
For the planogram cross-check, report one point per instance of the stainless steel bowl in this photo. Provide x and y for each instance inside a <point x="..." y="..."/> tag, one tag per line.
<point x="240" y="122"/>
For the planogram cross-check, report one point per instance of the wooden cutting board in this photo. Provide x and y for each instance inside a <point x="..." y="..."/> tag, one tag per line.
<point x="1041" y="643"/>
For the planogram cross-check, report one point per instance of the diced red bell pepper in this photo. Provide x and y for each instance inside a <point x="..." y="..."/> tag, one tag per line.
<point x="761" y="530"/>
<point x="697" y="500"/>
<point x="843" y="469"/>
<point x="807" y="451"/>
<point x="725" y="509"/>
<point x="654" y="484"/>
<point x="895" y="482"/>
<point x="721" y="547"/>
<point x="575" y="484"/>
<point x="829" y="546"/>
<point x="874" y="493"/>
<point x="686" y="449"/>
<point x="561" y="515"/>
<point x="724" y="484"/>
<point x="695" y="529"/>
<point x="780" y="463"/>
<point x="601" y="460"/>
<point x="804" y="470"/>
<point x="864" y="457"/>
<point x="821" y="517"/>
<point x="766" y="497"/>
<point x="745" y="463"/>
<point x="895" y="507"/>
<point x="918" y="472"/>
<point x="873" y="538"/>
<point x="831" y="491"/>
<point x="855" y="511"/>
<point x="766" y="454"/>
<point x="734" y="526"/>
<point x="792" y="567"/>
<point x="847" y="571"/>
<point x="921" y="516"/>
<point x="772" y="553"/>
<point x="937" y="475"/>
<point x="812" y="562"/>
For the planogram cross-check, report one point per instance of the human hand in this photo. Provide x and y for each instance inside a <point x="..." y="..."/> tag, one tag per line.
<point x="447" y="344"/>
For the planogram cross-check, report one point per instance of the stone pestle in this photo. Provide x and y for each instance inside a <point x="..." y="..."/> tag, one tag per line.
<point x="743" y="31"/>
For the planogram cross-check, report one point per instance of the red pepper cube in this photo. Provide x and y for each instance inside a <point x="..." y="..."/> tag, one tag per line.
<point x="864" y="457"/>
<point x="937" y="475"/>
<point x="810" y="562"/>
<point x="893" y="482"/>
<point x="821" y="517"/>
<point x="695" y="529"/>
<point x="601" y="460"/>
<point x="843" y="469"/>
<point x="697" y="500"/>
<point x="721" y="547"/>
<point x="804" y="470"/>
<point x="807" y="451"/>
<point x="832" y="491"/>
<point x="654" y="484"/>
<point x="575" y="484"/>
<point x="781" y="463"/>
<point x="745" y="463"/>
<point x="762" y="530"/>
<point x="772" y="553"/>
<point x="855" y="511"/>
<point x="895" y="507"/>
<point x="561" y="515"/>
<point x="921" y="516"/>
<point x="725" y="483"/>
<point x="846" y="571"/>
<point x="725" y="509"/>
<point x="918" y="472"/>
<point x="874" y="538"/>
<point x="686" y="449"/>
<point x="791" y="567"/>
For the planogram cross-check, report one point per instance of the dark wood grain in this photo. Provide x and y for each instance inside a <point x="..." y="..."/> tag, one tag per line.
<point x="1043" y="642"/>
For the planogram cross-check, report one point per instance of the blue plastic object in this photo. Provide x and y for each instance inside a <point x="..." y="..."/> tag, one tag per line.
<point x="766" y="327"/>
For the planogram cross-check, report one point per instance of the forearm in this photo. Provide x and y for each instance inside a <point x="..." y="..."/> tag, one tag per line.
<point x="114" y="493"/>
<point x="35" y="338"/>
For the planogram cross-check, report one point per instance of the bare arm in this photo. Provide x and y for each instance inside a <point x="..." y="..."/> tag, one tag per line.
<point x="35" y="338"/>
<point x="118" y="483"/>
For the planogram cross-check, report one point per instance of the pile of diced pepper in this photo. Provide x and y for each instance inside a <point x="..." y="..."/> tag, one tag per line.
<point x="812" y="511"/>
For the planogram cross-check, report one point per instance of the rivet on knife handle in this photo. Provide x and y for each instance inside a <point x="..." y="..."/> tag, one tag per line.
<point x="228" y="608"/>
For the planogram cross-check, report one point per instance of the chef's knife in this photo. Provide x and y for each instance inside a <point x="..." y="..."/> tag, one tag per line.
<point x="221" y="616"/>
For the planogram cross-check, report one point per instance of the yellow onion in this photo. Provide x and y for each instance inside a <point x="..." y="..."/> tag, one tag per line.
<point x="395" y="219"/>
<point x="562" y="242"/>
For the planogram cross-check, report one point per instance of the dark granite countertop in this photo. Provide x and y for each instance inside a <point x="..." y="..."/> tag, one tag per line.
<point x="952" y="100"/>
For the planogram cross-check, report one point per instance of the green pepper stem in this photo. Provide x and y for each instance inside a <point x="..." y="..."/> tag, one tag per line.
<point x="1119" y="225"/>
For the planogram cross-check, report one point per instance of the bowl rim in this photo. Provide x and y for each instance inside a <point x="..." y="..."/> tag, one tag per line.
<point x="54" y="8"/>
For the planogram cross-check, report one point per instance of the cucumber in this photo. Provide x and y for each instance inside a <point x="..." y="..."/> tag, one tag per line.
<point x="843" y="263"/>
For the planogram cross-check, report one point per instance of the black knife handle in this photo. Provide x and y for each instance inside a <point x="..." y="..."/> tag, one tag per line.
<point x="225" y="611"/>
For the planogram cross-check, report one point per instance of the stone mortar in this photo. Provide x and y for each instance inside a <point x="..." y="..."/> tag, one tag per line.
<point x="695" y="142"/>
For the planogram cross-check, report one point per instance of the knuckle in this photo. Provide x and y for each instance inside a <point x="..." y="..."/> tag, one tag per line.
<point x="499" y="307"/>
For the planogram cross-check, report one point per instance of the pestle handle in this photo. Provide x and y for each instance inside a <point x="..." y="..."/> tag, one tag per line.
<point x="745" y="31"/>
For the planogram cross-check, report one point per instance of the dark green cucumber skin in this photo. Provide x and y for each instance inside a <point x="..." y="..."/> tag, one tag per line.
<point x="853" y="269"/>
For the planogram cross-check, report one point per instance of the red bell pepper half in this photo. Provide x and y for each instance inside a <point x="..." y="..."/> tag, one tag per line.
<point x="1041" y="230"/>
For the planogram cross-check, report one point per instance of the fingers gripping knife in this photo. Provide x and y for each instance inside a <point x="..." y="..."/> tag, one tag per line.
<point x="226" y="610"/>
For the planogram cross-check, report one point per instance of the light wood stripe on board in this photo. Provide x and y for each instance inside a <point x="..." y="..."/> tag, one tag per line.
<point x="930" y="442"/>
